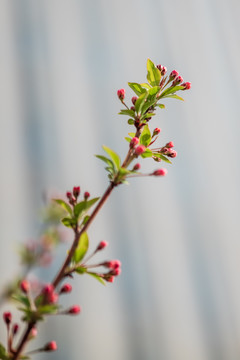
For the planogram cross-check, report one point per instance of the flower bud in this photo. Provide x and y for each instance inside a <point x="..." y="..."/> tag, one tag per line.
<point x="116" y="272"/>
<point x="102" y="245"/>
<point x="51" y="346"/>
<point x="173" y="75"/>
<point x="110" y="279"/>
<point x="74" y="310"/>
<point x="66" y="288"/>
<point x="169" y="144"/>
<point x="177" y="81"/>
<point x="48" y="289"/>
<point x="140" y="149"/>
<point x="34" y="332"/>
<point x="134" y="99"/>
<point x="156" y="131"/>
<point x="76" y="191"/>
<point x="159" y="172"/>
<point x="15" y="329"/>
<point x="136" y="167"/>
<point x="69" y="195"/>
<point x="121" y="94"/>
<point x="187" y="85"/>
<point x="86" y="195"/>
<point x="172" y="153"/>
<point x="25" y="286"/>
<point x="7" y="316"/>
<point x="134" y="142"/>
<point x="162" y="69"/>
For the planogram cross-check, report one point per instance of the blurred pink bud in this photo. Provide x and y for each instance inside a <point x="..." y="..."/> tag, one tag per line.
<point x="110" y="279"/>
<point x="116" y="272"/>
<point x="136" y="167"/>
<point x="187" y="85"/>
<point x="34" y="332"/>
<point x="25" y="286"/>
<point x="156" y="131"/>
<point x="69" y="195"/>
<point x="173" y="75"/>
<point x="134" y="99"/>
<point x="121" y="94"/>
<point x="177" y="81"/>
<point x="140" y="149"/>
<point x="102" y="245"/>
<point x="48" y="289"/>
<point x="66" y="288"/>
<point x="86" y="195"/>
<point x="159" y="172"/>
<point x="7" y="316"/>
<point x="51" y="346"/>
<point x="134" y="142"/>
<point x="76" y="191"/>
<point x="75" y="309"/>
<point x="15" y="329"/>
<point x="169" y="144"/>
<point x="162" y="69"/>
<point x="172" y="153"/>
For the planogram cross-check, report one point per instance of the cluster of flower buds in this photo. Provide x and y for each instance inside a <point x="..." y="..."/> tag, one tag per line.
<point x="166" y="150"/>
<point x="74" y="194"/>
<point x="50" y="295"/>
<point x="114" y="267"/>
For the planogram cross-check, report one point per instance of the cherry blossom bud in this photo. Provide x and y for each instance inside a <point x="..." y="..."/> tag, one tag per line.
<point x="169" y="144"/>
<point x="7" y="316"/>
<point x="48" y="289"/>
<point x="159" y="172"/>
<point x="121" y="94"/>
<point x="116" y="272"/>
<point x="156" y="131"/>
<point x="110" y="279"/>
<point x="134" y="142"/>
<point x="172" y="153"/>
<point x="102" y="245"/>
<point x="134" y="99"/>
<point x="177" y="81"/>
<point x="136" y="167"/>
<point x="140" y="149"/>
<point x="34" y="332"/>
<point x="162" y="69"/>
<point x="187" y="85"/>
<point x="75" y="309"/>
<point x="86" y="195"/>
<point x="51" y="346"/>
<point x="25" y="286"/>
<point x="66" y="288"/>
<point x="76" y="191"/>
<point x="15" y="329"/>
<point x="52" y="298"/>
<point x="173" y="75"/>
<point x="69" y="195"/>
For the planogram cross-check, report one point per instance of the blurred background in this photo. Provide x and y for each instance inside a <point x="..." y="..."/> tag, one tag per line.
<point x="61" y="63"/>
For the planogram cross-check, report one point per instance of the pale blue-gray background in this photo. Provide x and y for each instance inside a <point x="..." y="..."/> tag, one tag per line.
<point x="61" y="63"/>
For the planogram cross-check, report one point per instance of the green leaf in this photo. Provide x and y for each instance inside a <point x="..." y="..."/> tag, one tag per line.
<point x="147" y="105"/>
<point x="137" y="88"/>
<point x="81" y="249"/>
<point x="3" y="353"/>
<point x="145" y="85"/>
<point x="154" y="90"/>
<point x="127" y="112"/>
<point x="81" y="270"/>
<point x="171" y="90"/>
<point x="131" y="134"/>
<point x="69" y="222"/>
<point x="174" y="96"/>
<point x="147" y="153"/>
<point x="140" y="102"/>
<point x="22" y="299"/>
<point x="114" y="156"/>
<point x="131" y="122"/>
<point x="128" y="139"/>
<point x="47" y="309"/>
<point x="64" y="205"/>
<point x="162" y="106"/>
<point x="84" y="206"/>
<point x="161" y="156"/>
<point x="153" y="74"/>
<point x="106" y="160"/>
<point x="85" y="219"/>
<point x="145" y="137"/>
<point x="97" y="277"/>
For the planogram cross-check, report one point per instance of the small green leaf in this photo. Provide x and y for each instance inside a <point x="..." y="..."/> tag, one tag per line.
<point x="171" y="90"/>
<point x="47" y="309"/>
<point x="69" y="222"/>
<point x="85" y="219"/>
<point x="147" y="105"/>
<point x="140" y="102"/>
<point x="81" y="249"/>
<point x="137" y="88"/>
<point x="127" y="112"/>
<point x="106" y="160"/>
<point x="84" y="206"/>
<point x="146" y="86"/>
<point x="162" y="106"/>
<point x="153" y="75"/>
<point x="64" y="205"/>
<point x="131" y="134"/>
<point x="174" y="96"/>
<point x="81" y="270"/>
<point x="145" y="137"/>
<point x="131" y="122"/>
<point x="114" y="156"/>
<point x="22" y="299"/>
<point x="97" y="277"/>
<point x="161" y="156"/>
<point x="128" y="139"/>
<point x="147" y="153"/>
<point x="153" y="91"/>
<point x="3" y="353"/>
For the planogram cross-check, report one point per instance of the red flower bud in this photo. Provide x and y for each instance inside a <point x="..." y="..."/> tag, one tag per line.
<point x="76" y="191"/>
<point x="116" y="272"/>
<point x="25" y="286"/>
<point x="66" y="288"/>
<point x="102" y="245"/>
<point x="110" y="279"/>
<point x="15" y="329"/>
<point x="121" y="94"/>
<point x="177" y="81"/>
<point x="173" y="75"/>
<point x="33" y="332"/>
<point x="136" y="167"/>
<point x="7" y="316"/>
<point x="134" y="142"/>
<point x="75" y="309"/>
<point x="51" y="346"/>
<point x="48" y="289"/>
<point x="187" y="85"/>
<point x="169" y="144"/>
<point x="172" y="153"/>
<point x="162" y="69"/>
<point x="86" y="195"/>
<point x="134" y="99"/>
<point x="69" y="195"/>
<point x="156" y="131"/>
<point x="140" y="149"/>
<point x="160" y="172"/>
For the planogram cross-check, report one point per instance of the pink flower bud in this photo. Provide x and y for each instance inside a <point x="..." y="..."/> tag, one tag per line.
<point x="86" y="195"/>
<point x="134" y="99"/>
<point x="69" y="195"/>
<point x="51" y="346"/>
<point x="116" y="272"/>
<point x="7" y="316"/>
<point x="76" y="191"/>
<point x="34" y="332"/>
<point x="187" y="85"/>
<point x="140" y="149"/>
<point x="112" y="264"/>
<point x="52" y="298"/>
<point x="75" y="309"/>
<point x="160" y="172"/>
<point x="15" y="329"/>
<point x="110" y="279"/>
<point x="134" y="142"/>
<point x="172" y="153"/>
<point x="162" y="69"/>
<point x="177" y="81"/>
<point x="121" y="94"/>
<point x="136" y="167"/>
<point x="102" y="245"/>
<point x="66" y="288"/>
<point x="169" y="144"/>
<point x="156" y="131"/>
<point x="48" y="289"/>
<point x="173" y="75"/>
<point x="25" y="286"/>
